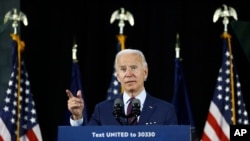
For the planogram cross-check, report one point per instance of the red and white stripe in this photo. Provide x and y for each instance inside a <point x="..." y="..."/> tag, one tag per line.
<point x="4" y="132"/>
<point x="33" y="134"/>
<point x="216" y="127"/>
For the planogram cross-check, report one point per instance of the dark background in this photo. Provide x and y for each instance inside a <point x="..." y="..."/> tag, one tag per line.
<point x="54" y="25"/>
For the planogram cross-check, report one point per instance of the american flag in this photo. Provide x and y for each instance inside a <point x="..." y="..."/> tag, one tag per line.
<point x="181" y="100"/>
<point x="220" y="115"/>
<point x="181" y="96"/>
<point x="19" y="124"/>
<point x="115" y="86"/>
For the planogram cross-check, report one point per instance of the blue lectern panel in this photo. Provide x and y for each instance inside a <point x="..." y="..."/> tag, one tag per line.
<point x="125" y="133"/>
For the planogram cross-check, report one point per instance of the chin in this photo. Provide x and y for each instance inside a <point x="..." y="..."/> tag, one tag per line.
<point x="130" y="90"/>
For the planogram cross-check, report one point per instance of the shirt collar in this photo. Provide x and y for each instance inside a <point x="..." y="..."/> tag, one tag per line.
<point x="141" y="96"/>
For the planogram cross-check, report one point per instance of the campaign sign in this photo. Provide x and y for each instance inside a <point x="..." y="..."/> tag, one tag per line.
<point x="125" y="133"/>
<point x="239" y="132"/>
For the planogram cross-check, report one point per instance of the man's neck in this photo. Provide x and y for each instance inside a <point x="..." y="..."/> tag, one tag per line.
<point x="134" y="93"/>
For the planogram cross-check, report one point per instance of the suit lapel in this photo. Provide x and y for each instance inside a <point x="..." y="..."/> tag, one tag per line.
<point x="147" y="111"/>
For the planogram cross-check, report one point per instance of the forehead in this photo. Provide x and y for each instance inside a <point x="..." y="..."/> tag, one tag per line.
<point x="129" y="59"/>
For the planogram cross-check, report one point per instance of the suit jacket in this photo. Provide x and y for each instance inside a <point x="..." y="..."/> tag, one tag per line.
<point x="155" y="112"/>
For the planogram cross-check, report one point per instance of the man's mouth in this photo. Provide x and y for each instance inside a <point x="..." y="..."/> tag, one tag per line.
<point x="127" y="82"/>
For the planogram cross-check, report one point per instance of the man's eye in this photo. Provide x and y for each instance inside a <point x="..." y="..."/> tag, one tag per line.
<point x="123" y="69"/>
<point x="133" y="67"/>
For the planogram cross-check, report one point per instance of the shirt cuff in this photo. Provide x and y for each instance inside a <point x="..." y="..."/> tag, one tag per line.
<point x="76" y="122"/>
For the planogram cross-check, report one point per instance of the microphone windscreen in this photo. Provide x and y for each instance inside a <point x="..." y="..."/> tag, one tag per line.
<point x="136" y="102"/>
<point x="118" y="102"/>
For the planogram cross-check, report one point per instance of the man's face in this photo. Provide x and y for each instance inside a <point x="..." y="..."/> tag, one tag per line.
<point x="131" y="73"/>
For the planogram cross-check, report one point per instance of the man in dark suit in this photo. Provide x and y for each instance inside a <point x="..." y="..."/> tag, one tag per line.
<point x="132" y="70"/>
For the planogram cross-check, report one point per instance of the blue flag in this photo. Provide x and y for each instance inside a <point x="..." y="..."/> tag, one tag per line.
<point x="18" y="116"/>
<point x="76" y="84"/>
<point x="181" y="97"/>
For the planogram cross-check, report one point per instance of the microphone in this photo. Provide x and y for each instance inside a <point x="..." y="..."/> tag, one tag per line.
<point x="118" y="109"/>
<point x="136" y="110"/>
<point x="136" y="107"/>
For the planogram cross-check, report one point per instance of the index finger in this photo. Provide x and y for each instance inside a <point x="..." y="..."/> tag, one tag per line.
<point x="68" y="92"/>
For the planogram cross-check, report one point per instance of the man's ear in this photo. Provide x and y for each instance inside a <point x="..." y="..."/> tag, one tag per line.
<point x="145" y="74"/>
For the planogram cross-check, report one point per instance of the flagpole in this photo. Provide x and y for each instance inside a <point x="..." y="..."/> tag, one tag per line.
<point x="225" y="13"/>
<point x="16" y="17"/>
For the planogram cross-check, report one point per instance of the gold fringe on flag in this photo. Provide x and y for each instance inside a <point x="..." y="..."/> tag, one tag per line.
<point x="227" y="36"/>
<point x="121" y="38"/>
<point x="20" y="48"/>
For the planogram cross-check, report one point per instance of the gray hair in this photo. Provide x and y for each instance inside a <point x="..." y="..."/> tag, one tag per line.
<point x="131" y="51"/>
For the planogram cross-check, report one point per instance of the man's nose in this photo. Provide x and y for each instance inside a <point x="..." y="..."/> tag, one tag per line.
<point x="129" y="71"/>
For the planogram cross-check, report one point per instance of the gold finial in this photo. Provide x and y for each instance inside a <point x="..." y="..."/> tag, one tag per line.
<point x="74" y="52"/>
<point x="15" y="16"/>
<point x="177" y="46"/>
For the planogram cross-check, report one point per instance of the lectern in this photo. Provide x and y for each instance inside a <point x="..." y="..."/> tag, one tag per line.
<point x="125" y="133"/>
